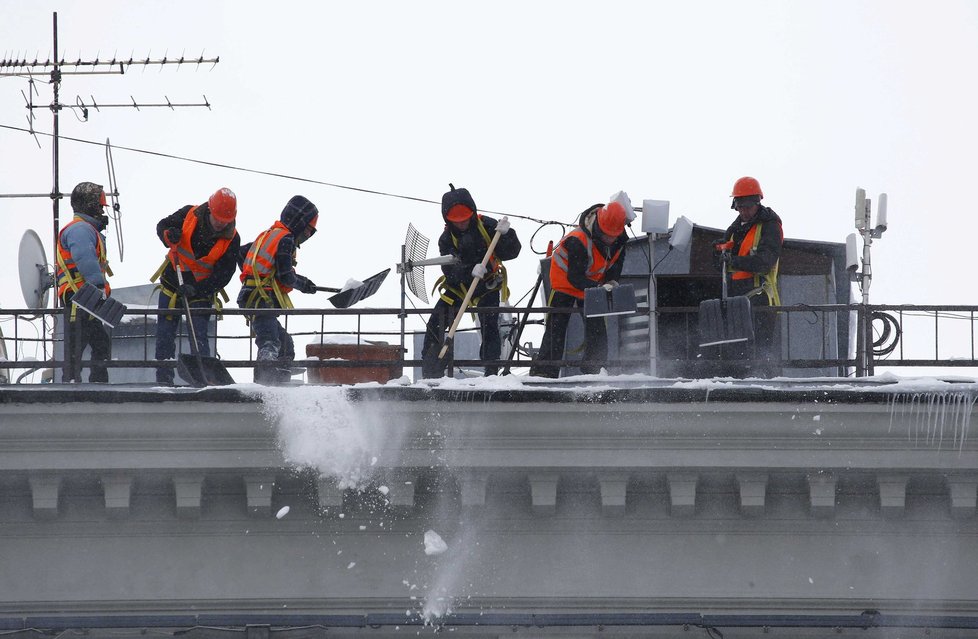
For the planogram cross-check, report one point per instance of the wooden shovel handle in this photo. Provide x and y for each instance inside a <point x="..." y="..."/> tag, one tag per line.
<point x="468" y="296"/>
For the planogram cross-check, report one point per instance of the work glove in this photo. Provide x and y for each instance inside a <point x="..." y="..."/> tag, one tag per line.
<point x="720" y="245"/>
<point x="308" y="287"/>
<point x="726" y="258"/>
<point x="610" y="285"/>
<point x="479" y="271"/>
<point x="188" y="291"/>
<point x="171" y="236"/>
<point x="503" y="226"/>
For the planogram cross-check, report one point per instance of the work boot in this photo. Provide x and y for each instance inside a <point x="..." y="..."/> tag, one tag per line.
<point x="549" y="372"/>
<point x="267" y="353"/>
<point x="164" y="376"/>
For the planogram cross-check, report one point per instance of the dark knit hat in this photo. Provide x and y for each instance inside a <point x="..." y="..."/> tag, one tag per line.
<point x="456" y="197"/>
<point x="299" y="213"/>
<point x="88" y="198"/>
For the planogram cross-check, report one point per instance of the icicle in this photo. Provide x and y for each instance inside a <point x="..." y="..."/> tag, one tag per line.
<point x="931" y="415"/>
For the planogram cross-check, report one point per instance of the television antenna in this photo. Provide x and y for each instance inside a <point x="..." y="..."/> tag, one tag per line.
<point x="56" y="68"/>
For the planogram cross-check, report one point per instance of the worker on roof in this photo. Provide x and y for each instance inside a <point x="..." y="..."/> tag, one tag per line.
<point x="82" y="259"/>
<point x="750" y="265"/>
<point x="203" y="243"/>
<point x="590" y="255"/>
<point x="267" y="277"/>
<point x="467" y="236"/>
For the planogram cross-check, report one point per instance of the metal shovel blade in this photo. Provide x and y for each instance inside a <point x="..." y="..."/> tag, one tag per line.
<point x="618" y="301"/>
<point x="725" y="321"/>
<point x="106" y="310"/>
<point x="348" y="298"/>
<point x="209" y="371"/>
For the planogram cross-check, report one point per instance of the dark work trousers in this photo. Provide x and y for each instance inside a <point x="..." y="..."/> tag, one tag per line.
<point x="767" y="338"/>
<point x="555" y="335"/>
<point x="270" y="334"/>
<point x="168" y="325"/>
<point x="764" y="354"/>
<point x="79" y="333"/>
<point x="441" y="319"/>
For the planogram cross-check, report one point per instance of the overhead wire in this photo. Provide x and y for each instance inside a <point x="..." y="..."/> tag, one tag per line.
<point x="285" y="176"/>
<point x="543" y="223"/>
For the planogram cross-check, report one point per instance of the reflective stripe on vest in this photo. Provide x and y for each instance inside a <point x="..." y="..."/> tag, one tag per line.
<point x="201" y="267"/>
<point x="495" y="266"/>
<point x="68" y="276"/>
<point x="259" y="269"/>
<point x="597" y="265"/>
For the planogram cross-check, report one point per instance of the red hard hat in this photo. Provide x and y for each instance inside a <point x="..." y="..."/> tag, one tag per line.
<point x="223" y="205"/>
<point x="459" y="213"/>
<point x="611" y="219"/>
<point x="746" y="186"/>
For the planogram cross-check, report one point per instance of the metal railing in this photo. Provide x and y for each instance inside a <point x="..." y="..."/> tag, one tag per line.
<point x="830" y="337"/>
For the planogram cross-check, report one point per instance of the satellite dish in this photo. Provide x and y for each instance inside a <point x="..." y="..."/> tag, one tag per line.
<point x="32" y="266"/>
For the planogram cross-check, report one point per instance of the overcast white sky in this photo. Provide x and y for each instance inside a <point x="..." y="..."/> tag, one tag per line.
<point x="539" y="108"/>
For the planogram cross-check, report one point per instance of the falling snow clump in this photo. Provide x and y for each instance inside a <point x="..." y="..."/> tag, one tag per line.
<point x="433" y="543"/>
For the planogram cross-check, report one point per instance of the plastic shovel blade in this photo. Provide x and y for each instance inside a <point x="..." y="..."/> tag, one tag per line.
<point x="351" y="296"/>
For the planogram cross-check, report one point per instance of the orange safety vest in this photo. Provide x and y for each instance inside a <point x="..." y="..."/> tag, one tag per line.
<point x="201" y="267"/>
<point x="763" y="282"/>
<point x="68" y="277"/>
<point x="597" y="264"/>
<point x="259" y="264"/>
<point x="746" y="246"/>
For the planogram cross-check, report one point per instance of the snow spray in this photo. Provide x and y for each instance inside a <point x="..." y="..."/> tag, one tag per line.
<point x="319" y="427"/>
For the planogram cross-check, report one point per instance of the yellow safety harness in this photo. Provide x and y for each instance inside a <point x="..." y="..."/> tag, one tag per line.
<point x="269" y="281"/>
<point x="459" y="292"/>
<point x="74" y="278"/>
<point x="768" y="282"/>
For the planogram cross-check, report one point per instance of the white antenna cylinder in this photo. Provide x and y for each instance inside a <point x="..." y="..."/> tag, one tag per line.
<point x="881" y="213"/>
<point x="852" y="253"/>
<point x="860" y="209"/>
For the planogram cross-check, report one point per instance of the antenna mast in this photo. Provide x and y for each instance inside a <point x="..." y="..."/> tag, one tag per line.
<point x="864" y="277"/>
<point x="55" y="67"/>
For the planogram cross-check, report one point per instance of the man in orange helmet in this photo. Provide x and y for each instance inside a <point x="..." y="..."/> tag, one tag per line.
<point x="752" y="266"/>
<point x="203" y="244"/>
<point x="590" y="255"/>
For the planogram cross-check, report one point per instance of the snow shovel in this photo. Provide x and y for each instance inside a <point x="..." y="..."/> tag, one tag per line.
<point x="198" y="369"/>
<point x="599" y="302"/>
<point x="349" y="297"/>
<point x="468" y="296"/>
<point x="726" y="320"/>
<point x="104" y="309"/>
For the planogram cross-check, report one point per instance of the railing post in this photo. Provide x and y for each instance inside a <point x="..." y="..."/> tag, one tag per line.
<point x="860" y="341"/>
<point x="868" y="342"/>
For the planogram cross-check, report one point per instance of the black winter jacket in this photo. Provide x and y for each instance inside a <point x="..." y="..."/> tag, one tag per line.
<point x="577" y="256"/>
<point x="768" y="249"/>
<point x="202" y="241"/>
<point x="472" y="248"/>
